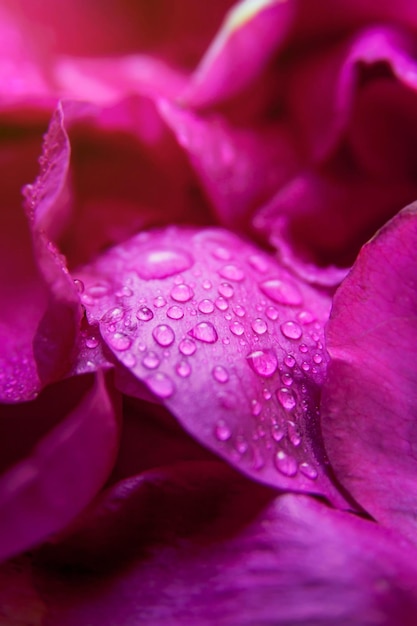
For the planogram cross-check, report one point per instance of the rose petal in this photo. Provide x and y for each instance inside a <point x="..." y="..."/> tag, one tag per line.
<point x="370" y="399"/>
<point x="48" y="484"/>
<point x="229" y="341"/>
<point x="210" y="549"/>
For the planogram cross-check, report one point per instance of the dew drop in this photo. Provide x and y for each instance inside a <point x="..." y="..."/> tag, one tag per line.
<point x="97" y="291"/>
<point x="222" y="253"/>
<point x="79" y="285"/>
<point x="206" y="285"/>
<point x="286" y="398"/>
<point x="161" y="262"/>
<point x="236" y="328"/>
<point x="159" y="302"/>
<point x="164" y="335"/>
<point x="282" y="291"/>
<point x="183" y="369"/>
<point x="124" y="292"/>
<point x="232" y="272"/>
<point x="285" y="463"/>
<point x="220" y="374"/>
<point x="226" y="290"/>
<point x="256" y="407"/>
<point x="305" y="366"/>
<point x="308" y="470"/>
<point x="91" y="342"/>
<point x="206" y="306"/>
<point x="303" y="348"/>
<point x="259" y="326"/>
<point x="239" y="310"/>
<point x="263" y="362"/>
<point x="291" y="330"/>
<point x="205" y="332"/>
<point x="182" y="293"/>
<point x="222" y="431"/>
<point x="258" y="263"/>
<point x="144" y="314"/>
<point x="160" y="384"/>
<point x="317" y="358"/>
<point x="289" y="360"/>
<point x="119" y="341"/>
<point x="113" y="315"/>
<point x="241" y="444"/>
<point x="151" y="361"/>
<point x="267" y="394"/>
<point x="129" y="360"/>
<point x="187" y="347"/>
<point x="294" y="434"/>
<point x="287" y="379"/>
<point x="271" y="313"/>
<point x="175" y="312"/>
<point x="305" y="317"/>
<point x="277" y="432"/>
<point x="221" y="304"/>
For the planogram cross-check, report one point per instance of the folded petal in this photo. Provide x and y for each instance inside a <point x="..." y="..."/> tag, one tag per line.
<point x="226" y="339"/>
<point x="204" y="547"/>
<point x="370" y="397"/>
<point x="54" y="472"/>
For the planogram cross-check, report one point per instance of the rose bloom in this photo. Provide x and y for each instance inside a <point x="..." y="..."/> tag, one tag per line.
<point x="208" y="316"/>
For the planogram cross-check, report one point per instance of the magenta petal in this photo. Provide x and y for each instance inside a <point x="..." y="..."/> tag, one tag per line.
<point x="227" y="339"/>
<point x="41" y="492"/>
<point x="370" y="397"/>
<point x="249" y="36"/>
<point x="207" y="548"/>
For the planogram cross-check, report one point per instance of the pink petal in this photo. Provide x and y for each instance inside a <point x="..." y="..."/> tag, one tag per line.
<point x="204" y="547"/>
<point x="225" y="338"/>
<point x="370" y="397"/>
<point x="53" y="475"/>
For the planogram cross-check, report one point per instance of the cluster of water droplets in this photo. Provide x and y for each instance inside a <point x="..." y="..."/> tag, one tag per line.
<point x="249" y="328"/>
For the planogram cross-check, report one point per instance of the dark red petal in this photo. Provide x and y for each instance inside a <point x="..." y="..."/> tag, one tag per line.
<point x="370" y="397"/>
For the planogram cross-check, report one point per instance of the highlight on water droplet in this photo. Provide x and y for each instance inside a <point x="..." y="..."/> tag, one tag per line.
<point x="205" y="332"/>
<point x="175" y="312"/>
<point x="308" y="470"/>
<point x="232" y="272"/>
<point x="221" y="304"/>
<point x="222" y="431"/>
<point x="187" y="347"/>
<point x="289" y="360"/>
<point x="226" y="290"/>
<point x="161" y="262"/>
<point x="160" y="384"/>
<point x="271" y="313"/>
<point x="282" y="291"/>
<point x="259" y="326"/>
<point x="159" y="302"/>
<point x="286" y="398"/>
<point x="182" y="293"/>
<point x="206" y="306"/>
<point x="163" y="335"/>
<point x="294" y="434"/>
<point x="291" y="330"/>
<point x="263" y="362"/>
<point x="119" y="341"/>
<point x="220" y="374"/>
<point x="236" y="328"/>
<point x="285" y="463"/>
<point x="144" y="314"/>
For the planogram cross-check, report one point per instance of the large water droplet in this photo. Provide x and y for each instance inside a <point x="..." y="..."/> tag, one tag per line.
<point x="119" y="341"/>
<point x="187" y="347"/>
<point x="144" y="314"/>
<point x="285" y="463"/>
<point x="291" y="330"/>
<point x="161" y="262"/>
<point x="263" y="362"/>
<point x="164" y="335"/>
<point x="160" y="384"/>
<point x="182" y="293"/>
<point x="175" y="312"/>
<point x="220" y="374"/>
<point x="259" y="326"/>
<point x="151" y="361"/>
<point x="222" y="431"/>
<point x="206" y="306"/>
<point x="286" y="398"/>
<point x="205" y="332"/>
<point x="232" y="272"/>
<point x="236" y="328"/>
<point x="282" y="291"/>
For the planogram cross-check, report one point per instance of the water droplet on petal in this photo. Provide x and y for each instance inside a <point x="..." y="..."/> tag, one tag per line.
<point x="144" y="314"/>
<point x="91" y="342"/>
<point x="182" y="293"/>
<point x="289" y="360"/>
<point x="175" y="312"/>
<point x="164" y="335"/>
<point x="232" y="272"/>
<point x="317" y="358"/>
<point x="222" y="431"/>
<point x="206" y="284"/>
<point x="187" y="347"/>
<point x="287" y="379"/>
<point x="97" y="291"/>
<point x="206" y="306"/>
<point x="282" y="291"/>
<point x="271" y="313"/>
<point x="183" y="369"/>
<point x="308" y="470"/>
<point x="277" y="432"/>
<point x="119" y="341"/>
<point x="160" y="384"/>
<point x="305" y="366"/>
<point x="305" y="317"/>
<point x="294" y="434"/>
<point x="291" y="330"/>
<point x="205" y="332"/>
<point x="222" y="253"/>
<point x="285" y="463"/>
<point x="256" y="408"/>
<point x="79" y="285"/>
<point x="129" y="359"/>
<point x="239" y="310"/>
<point x="259" y="326"/>
<point x="161" y="262"/>
<point x="236" y="328"/>
<point x="159" y="302"/>
<point x="226" y="290"/>
<point x="113" y="315"/>
<point x="263" y="362"/>
<point x="220" y="374"/>
<point x="258" y="263"/>
<point x="151" y="361"/>
<point x="286" y="398"/>
<point x="221" y="304"/>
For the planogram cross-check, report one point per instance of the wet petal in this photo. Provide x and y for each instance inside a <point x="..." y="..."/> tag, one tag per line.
<point x="370" y="398"/>
<point x="205" y="547"/>
<point x="53" y="465"/>
<point x="209" y="317"/>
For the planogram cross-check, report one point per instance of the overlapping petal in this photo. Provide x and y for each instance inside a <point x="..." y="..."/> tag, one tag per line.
<point x="61" y="458"/>
<point x="369" y="402"/>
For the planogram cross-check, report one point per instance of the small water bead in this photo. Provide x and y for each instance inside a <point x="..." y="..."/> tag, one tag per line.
<point x="79" y="285"/>
<point x="289" y="360"/>
<point x="232" y="272"/>
<point x="303" y="348"/>
<point x="305" y="366"/>
<point x="271" y="313"/>
<point x="221" y="303"/>
<point x="119" y="341"/>
<point x="294" y="434"/>
<point x="206" y="284"/>
<point x="129" y="360"/>
<point x="256" y="408"/>
<point x="241" y="444"/>
<point x="291" y="330"/>
<point x="124" y="292"/>
<point x="113" y="315"/>
<point x="267" y="394"/>
<point x="286" y="398"/>
<point x="151" y="361"/>
<point x="226" y="290"/>
<point x="175" y="312"/>
<point x="317" y="358"/>
<point x="222" y="253"/>
<point x="277" y="432"/>
<point x="305" y="317"/>
<point x="222" y="431"/>
<point x="187" y="347"/>
<point x="144" y="314"/>
<point x="205" y="332"/>
<point x="97" y="291"/>
<point x="159" y="302"/>
<point x="129" y="323"/>
<point x="161" y="262"/>
<point x="285" y="463"/>
<point x="258" y="263"/>
<point x="91" y="342"/>
<point x="183" y="369"/>
<point x="206" y="306"/>
<point x="220" y="374"/>
<point x="259" y="326"/>
<point x="287" y="379"/>
<point x="236" y="328"/>
<point x="182" y="293"/>
<point x="263" y="362"/>
<point x="282" y="291"/>
<point x="228" y="317"/>
<point x="308" y="470"/>
<point x="226" y="341"/>
<point x="163" y="335"/>
<point x="160" y="384"/>
<point x="239" y="310"/>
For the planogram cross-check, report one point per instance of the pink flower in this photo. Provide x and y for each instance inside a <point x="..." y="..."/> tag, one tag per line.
<point x="208" y="379"/>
